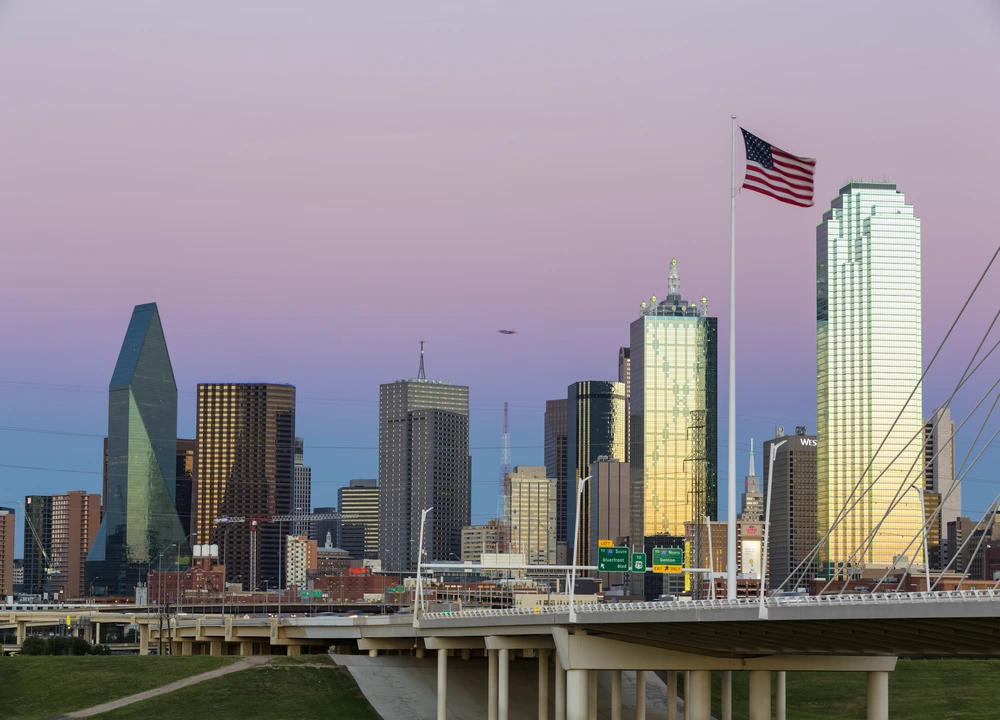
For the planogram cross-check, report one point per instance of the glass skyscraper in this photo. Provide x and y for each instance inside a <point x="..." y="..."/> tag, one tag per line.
<point x="140" y="519"/>
<point x="595" y="428"/>
<point x="868" y="362"/>
<point x="673" y="424"/>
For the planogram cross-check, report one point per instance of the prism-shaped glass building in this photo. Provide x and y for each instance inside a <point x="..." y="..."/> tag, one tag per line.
<point x="140" y="518"/>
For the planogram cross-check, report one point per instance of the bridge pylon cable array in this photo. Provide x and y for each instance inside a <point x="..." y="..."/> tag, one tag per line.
<point x="844" y="511"/>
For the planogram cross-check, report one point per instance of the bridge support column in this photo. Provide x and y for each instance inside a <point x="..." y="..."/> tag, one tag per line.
<point x="442" y="689"/>
<point x="503" y="685"/>
<point x="698" y="695"/>
<point x="671" y="695"/>
<point x="144" y="640"/>
<point x="467" y="654"/>
<point x="616" y="695"/>
<point x="779" y="696"/>
<point x="560" y="689"/>
<point x="543" y="684"/>
<point x="878" y="695"/>
<point x="22" y="631"/>
<point x="640" y="695"/>
<point x="577" y="690"/>
<point x="187" y="647"/>
<point x="294" y="649"/>
<point x="373" y="653"/>
<point x="592" y="695"/>
<point x="97" y="633"/>
<point x="760" y="695"/>
<point x="215" y="647"/>
<point x="727" y="695"/>
<point x="246" y="648"/>
<point x="492" y="669"/>
<point x="687" y="695"/>
<point x="420" y="653"/>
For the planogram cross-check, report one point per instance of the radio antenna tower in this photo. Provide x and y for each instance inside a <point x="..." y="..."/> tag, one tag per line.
<point x="503" y="498"/>
<point x="421" y="375"/>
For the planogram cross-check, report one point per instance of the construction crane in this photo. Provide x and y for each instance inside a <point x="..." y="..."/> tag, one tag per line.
<point x="255" y="522"/>
<point x="47" y="568"/>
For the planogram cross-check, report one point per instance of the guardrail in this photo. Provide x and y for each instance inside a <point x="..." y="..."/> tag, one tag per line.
<point x="745" y="603"/>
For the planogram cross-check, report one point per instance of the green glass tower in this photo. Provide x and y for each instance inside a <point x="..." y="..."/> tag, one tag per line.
<point x="140" y="519"/>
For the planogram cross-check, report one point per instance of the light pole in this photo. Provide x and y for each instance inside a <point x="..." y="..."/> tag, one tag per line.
<point x="420" y="558"/>
<point x="767" y="525"/>
<point x="281" y="551"/>
<point x="576" y="546"/>
<point x="93" y="601"/>
<point x="225" y="571"/>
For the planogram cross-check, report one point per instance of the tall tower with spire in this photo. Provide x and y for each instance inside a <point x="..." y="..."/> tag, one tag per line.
<point x="753" y="497"/>
<point x="673" y="388"/>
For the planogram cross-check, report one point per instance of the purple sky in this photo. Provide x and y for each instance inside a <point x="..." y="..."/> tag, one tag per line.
<point x="308" y="193"/>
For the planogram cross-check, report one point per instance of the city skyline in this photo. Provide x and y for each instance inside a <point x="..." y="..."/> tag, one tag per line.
<point x="659" y="200"/>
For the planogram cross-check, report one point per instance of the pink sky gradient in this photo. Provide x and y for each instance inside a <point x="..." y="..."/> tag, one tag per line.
<point x="309" y="189"/>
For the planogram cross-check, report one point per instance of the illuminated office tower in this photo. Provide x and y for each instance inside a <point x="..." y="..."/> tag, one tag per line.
<point x="532" y="502"/>
<point x="140" y="519"/>
<point x="359" y="518"/>
<point x="625" y="376"/>
<point x="673" y="407"/>
<point x="246" y="440"/>
<point x="868" y="362"/>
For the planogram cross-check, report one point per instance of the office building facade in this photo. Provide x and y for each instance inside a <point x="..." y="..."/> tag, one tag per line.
<point x="532" y="502"/>
<point x="319" y="529"/>
<point x="478" y="540"/>
<point x="595" y="427"/>
<point x="140" y="517"/>
<point x="359" y="518"/>
<point x="187" y="467"/>
<point x="301" y="489"/>
<point x="6" y="551"/>
<point x="245" y="435"/>
<point x="610" y="512"/>
<point x="673" y="408"/>
<point x="869" y="365"/>
<point x="301" y="558"/>
<point x="939" y="480"/>
<point x="556" y="461"/>
<point x="424" y="463"/>
<point x="76" y="517"/>
<point x="792" y="535"/>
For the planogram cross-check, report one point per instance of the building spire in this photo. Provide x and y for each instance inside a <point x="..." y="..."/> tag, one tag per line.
<point x="675" y="281"/>
<point x="752" y="473"/>
<point x="421" y="375"/>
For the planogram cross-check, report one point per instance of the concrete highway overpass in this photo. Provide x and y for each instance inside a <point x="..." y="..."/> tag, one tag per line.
<point x="857" y="633"/>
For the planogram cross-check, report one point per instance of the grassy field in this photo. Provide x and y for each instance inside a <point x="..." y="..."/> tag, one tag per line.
<point x="918" y="689"/>
<point x="284" y="688"/>
<point x="40" y="687"/>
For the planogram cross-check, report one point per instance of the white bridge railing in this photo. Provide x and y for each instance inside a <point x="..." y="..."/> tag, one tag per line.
<point x="744" y="603"/>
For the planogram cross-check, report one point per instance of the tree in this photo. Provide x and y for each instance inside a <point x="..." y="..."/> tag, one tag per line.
<point x="34" y="645"/>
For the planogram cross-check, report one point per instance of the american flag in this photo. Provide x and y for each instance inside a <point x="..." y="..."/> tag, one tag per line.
<point x="774" y="172"/>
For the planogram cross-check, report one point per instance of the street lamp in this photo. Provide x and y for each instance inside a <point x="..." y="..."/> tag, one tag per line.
<point x="767" y="526"/>
<point x="420" y="558"/>
<point x="92" y="600"/>
<point x="576" y="546"/>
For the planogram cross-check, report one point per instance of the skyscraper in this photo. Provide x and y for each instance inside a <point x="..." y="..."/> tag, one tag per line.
<point x="246" y="434"/>
<point x="301" y="489"/>
<point x="6" y="551"/>
<point x="673" y="407"/>
<point x="359" y="526"/>
<point x="37" y="543"/>
<point x="140" y="518"/>
<point x="556" y="460"/>
<point x="939" y="479"/>
<point x="532" y="503"/>
<point x="319" y="529"/>
<point x="752" y="501"/>
<point x="868" y="362"/>
<point x="610" y="516"/>
<point x="792" y="533"/>
<point x="625" y="376"/>
<point x="595" y="427"/>
<point x="423" y="462"/>
<point x="187" y="464"/>
<point x="75" y="519"/>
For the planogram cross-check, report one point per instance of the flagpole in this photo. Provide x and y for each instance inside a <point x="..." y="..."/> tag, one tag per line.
<point x="731" y="509"/>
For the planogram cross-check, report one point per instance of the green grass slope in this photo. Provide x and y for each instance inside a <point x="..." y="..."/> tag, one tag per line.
<point x="40" y="687"/>
<point x="284" y="688"/>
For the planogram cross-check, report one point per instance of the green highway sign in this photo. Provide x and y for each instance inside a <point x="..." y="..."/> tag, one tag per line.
<point x="638" y="562"/>
<point x="668" y="556"/>
<point x="612" y="559"/>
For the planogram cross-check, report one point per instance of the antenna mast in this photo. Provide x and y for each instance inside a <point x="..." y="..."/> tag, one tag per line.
<point x="421" y="375"/>
<point x="503" y="498"/>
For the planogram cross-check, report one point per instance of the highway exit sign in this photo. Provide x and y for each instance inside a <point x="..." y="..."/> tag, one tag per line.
<point x="669" y="560"/>
<point x="613" y="559"/>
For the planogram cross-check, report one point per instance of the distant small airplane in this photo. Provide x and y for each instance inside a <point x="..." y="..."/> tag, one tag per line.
<point x="507" y="332"/>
